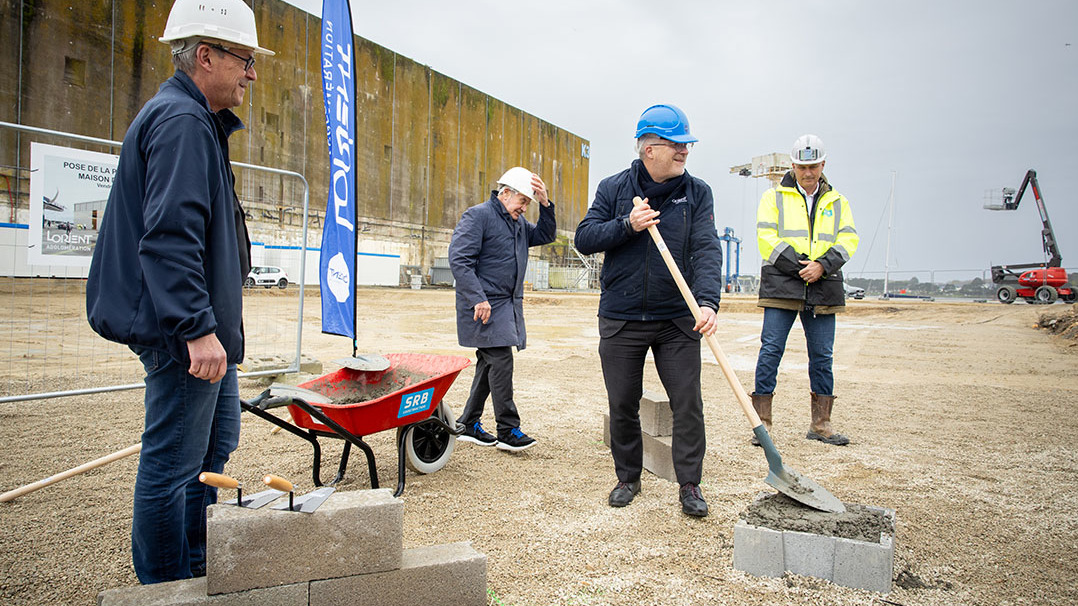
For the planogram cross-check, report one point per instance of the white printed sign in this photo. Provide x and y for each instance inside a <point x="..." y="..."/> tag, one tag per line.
<point x="68" y="192"/>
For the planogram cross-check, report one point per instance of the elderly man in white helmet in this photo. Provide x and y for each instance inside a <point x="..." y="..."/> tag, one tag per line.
<point x="488" y="256"/>
<point x="167" y="274"/>
<point x="806" y="234"/>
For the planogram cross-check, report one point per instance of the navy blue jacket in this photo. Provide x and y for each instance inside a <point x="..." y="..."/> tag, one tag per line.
<point x="168" y="266"/>
<point x="636" y="284"/>
<point x="489" y="256"/>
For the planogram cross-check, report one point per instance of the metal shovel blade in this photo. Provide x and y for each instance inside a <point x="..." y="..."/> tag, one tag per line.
<point x="367" y="362"/>
<point x="259" y="499"/>
<point x="793" y="484"/>
<point x="308" y="396"/>
<point x="308" y="502"/>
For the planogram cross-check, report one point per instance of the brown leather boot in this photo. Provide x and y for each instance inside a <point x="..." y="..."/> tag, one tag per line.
<point x="762" y="404"/>
<point x="821" y="422"/>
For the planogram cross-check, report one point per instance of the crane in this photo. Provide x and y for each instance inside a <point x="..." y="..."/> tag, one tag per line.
<point x="1034" y="282"/>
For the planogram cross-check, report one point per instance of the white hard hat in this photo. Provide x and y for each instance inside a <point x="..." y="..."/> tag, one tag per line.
<point x="520" y="179"/>
<point x="808" y="149"/>
<point x="225" y="20"/>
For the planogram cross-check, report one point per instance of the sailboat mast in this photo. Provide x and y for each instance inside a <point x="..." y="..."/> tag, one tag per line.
<point x="890" y="222"/>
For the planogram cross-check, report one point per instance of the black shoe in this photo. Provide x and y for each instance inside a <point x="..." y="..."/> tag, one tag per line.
<point x="692" y="501"/>
<point x="623" y="493"/>
<point x="477" y="435"/>
<point x="515" y="440"/>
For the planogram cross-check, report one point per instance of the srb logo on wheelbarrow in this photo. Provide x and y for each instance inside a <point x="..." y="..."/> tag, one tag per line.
<point x="412" y="403"/>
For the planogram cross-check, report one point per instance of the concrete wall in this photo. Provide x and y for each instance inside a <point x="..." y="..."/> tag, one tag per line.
<point x="428" y="146"/>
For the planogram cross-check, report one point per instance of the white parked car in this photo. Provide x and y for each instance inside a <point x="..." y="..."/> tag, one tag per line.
<point x="854" y="292"/>
<point x="266" y="275"/>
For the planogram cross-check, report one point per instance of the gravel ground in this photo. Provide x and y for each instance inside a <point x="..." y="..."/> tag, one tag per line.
<point x="962" y="417"/>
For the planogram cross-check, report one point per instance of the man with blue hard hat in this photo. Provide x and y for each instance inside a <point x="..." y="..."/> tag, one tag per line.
<point x="641" y="309"/>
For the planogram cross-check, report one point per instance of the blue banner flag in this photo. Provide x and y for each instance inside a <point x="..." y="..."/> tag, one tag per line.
<point x="337" y="266"/>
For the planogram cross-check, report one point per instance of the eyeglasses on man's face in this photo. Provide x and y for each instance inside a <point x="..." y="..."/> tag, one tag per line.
<point x="676" y="146"/>
<point x="248" y="62"/>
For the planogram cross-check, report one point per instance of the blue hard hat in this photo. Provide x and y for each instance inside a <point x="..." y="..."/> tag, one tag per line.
<point x="667" y="121"/>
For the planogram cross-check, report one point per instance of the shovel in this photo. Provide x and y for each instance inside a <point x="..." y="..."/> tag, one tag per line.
<point x="304" y="504"/>
<point x="779" y="477"/>
<point x="253" y="501"/>
<point x="365" y="362"/>
<point x="280" y="390"/>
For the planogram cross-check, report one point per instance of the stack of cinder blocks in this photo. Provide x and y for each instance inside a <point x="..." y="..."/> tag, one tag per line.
<point x="765" y="552"/>
<point x="656" y="429"/>
<point x="349" y="551"/>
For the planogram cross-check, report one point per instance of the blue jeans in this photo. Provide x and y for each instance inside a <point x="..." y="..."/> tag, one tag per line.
<point x="191" y="426"/>
<point x="820" y="336"/>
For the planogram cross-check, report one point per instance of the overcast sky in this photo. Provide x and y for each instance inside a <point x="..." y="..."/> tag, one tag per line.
<point x="957" y="99"/>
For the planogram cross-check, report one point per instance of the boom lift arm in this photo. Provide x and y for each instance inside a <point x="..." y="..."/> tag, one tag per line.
<point x="1011" y="201"/>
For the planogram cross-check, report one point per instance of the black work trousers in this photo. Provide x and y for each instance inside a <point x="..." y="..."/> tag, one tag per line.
<point x="623" y="347"/>
<point x="493" y="377"/>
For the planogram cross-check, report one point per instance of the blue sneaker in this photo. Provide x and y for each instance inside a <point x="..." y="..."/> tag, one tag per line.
<point x="477" y="435"/>
<point x="515" y="440"/>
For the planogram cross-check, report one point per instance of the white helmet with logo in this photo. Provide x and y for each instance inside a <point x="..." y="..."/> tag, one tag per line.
<point x="808" y="149"/>
<point x="225" y="20"/>
<point x="520" y="179"/>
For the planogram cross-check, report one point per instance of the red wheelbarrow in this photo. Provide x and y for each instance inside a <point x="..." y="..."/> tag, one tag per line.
<point x="356" y="403"/>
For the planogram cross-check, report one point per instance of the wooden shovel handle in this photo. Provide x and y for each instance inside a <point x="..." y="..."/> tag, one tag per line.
<point x="727" y="370"/>
<point x="105" y="460"/>
<point x="278" y="483"/>
<point x="218" y="480"/>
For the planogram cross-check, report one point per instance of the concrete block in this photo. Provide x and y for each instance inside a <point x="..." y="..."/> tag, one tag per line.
<point x="866" y="565"/>
<point x="812" y="555"/>
<point x="192" y="592"/>
<point x="656" y="418"/>
<point x="658" y="456"/>
<point x="859" y="564"/>
<point x="442" y="575"/>
<point x="758" y="551"/>
<point x="355" y="532"/>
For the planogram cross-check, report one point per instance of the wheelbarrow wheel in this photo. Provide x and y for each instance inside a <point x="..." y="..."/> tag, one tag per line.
<point x="428" y="446"/>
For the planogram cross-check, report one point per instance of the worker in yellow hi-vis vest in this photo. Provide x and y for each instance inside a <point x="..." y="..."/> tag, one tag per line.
<point x="806" y="234"/>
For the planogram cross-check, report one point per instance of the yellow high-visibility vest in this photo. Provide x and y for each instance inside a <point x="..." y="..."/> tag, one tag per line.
<point x="782" y="221"/>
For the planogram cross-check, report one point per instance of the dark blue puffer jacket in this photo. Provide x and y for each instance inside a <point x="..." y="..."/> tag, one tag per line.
<point x="636" y="284"/>
<point x="168" y="266"/>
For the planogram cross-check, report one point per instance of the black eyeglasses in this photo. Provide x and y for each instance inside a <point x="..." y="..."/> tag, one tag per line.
<point x="248" y="62"/>
<point x="676" y="146"/>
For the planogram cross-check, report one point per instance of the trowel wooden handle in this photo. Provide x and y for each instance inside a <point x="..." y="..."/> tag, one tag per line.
<point x="278" y="483"/>
<point x="728" y="371"/>
<point x="218" y="480"/>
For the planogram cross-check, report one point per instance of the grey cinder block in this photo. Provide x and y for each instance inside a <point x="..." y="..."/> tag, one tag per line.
<point x="192" y="592"/>
<point x="353" y="532"/>
<point x="767" y="552"/>
<point x="656" y="418"/>
<point x="758" y="551"/>
<point x="441" y="575"/>
<point x="866" y="565"/>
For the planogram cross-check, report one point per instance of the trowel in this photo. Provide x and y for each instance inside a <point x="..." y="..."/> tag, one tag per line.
<point x="364" y="362"/>
<point x="780" y="477"/>
<point x="253" y="501"/>
<point x="304" y="504"/>
<point x="291" y="391"/>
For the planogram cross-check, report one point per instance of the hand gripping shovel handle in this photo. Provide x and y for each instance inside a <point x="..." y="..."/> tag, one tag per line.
<point x="787" y="481"/>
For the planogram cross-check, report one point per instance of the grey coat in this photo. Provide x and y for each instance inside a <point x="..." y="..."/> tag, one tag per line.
<point x="488" y="256"/>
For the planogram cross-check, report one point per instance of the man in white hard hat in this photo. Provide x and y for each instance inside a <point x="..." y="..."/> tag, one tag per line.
<point x="489" y="256"/>
<point x="167" y="274"/>
<point x="806" y="234"/>
<point x="641" y="308"/>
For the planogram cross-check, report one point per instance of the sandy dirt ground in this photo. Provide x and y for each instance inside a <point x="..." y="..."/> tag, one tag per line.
<point x="961" y="415"/>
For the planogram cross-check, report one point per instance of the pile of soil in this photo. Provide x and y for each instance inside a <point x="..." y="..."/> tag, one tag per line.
<point x="1061" y="322"/>
<point x="779" y="512"/>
